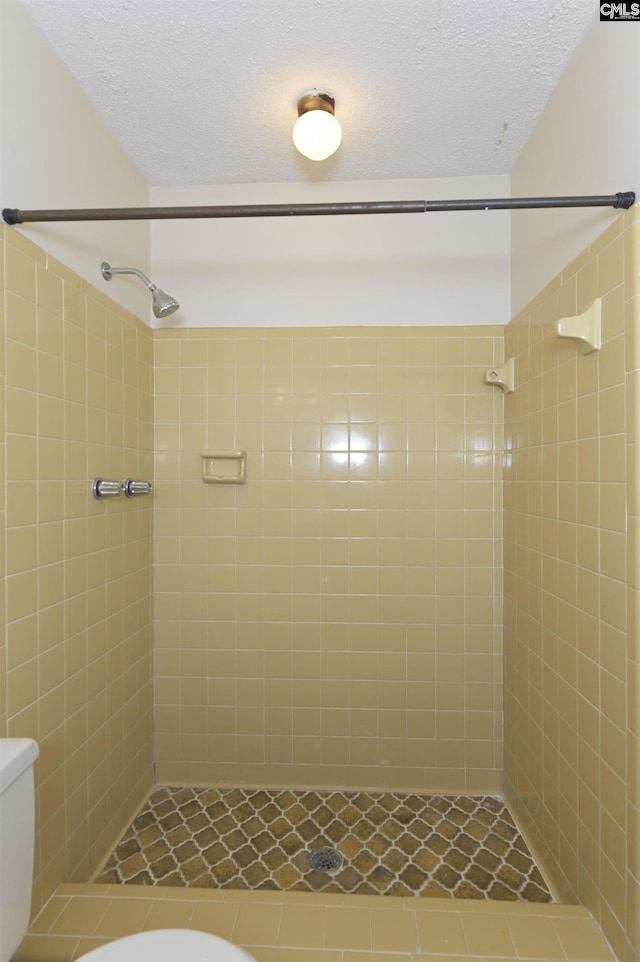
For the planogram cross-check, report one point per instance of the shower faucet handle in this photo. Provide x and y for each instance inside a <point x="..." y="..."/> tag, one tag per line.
<point x="133" y="488"/>
<point x="105" y="489"/>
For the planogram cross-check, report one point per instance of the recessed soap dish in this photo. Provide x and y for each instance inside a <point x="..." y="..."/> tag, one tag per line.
<point x="224" y="467"/>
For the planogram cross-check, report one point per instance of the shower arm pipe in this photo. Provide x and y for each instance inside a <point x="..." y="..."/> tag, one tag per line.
<point x="108" y="271"/>
<point x="14" y="216"/>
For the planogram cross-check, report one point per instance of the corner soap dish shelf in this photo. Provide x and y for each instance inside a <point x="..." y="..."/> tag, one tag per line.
<point x="503" y="377"/>
<point x="585" y="328"/>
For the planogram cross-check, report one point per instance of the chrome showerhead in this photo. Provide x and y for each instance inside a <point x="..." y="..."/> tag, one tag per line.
<point x="163" y="303"/>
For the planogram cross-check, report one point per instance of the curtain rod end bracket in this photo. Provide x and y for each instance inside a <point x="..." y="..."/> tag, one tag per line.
<point x="626" y="199"/>
<point x="11" y="216"/>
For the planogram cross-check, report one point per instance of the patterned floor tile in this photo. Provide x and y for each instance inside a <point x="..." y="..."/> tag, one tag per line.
<point x="388" y="844"/>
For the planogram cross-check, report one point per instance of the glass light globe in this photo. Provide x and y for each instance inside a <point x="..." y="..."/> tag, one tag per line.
<point x="317" y="134"/>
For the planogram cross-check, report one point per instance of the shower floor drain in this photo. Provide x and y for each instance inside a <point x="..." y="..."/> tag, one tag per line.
<point x="327" y="860"/>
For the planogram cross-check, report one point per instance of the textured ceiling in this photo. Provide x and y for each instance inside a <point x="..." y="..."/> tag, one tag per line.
<point x="205" y="91"/>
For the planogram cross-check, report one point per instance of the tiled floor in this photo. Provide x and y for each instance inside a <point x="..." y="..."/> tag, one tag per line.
<point x="399" y="845"/>
<point x="299" y="927"/>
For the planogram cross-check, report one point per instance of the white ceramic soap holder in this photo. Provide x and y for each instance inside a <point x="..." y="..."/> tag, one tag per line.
<point x="585" y="328"/>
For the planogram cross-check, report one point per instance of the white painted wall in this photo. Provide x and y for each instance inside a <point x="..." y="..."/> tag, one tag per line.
<point x="587" y="141"/>
<point x="55" y="152"/>
<point x="402" y="269"/>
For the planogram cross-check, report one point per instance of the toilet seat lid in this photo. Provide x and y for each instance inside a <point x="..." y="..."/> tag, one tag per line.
<point x="169" y="945"/>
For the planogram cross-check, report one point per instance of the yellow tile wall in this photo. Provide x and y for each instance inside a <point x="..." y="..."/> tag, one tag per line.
<point x="78" y="630"/>
<point x="337" y="620"/>
<point x="571" y="585"/>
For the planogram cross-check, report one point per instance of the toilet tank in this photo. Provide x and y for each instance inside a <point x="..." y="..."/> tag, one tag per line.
<point x="17" y="830"/>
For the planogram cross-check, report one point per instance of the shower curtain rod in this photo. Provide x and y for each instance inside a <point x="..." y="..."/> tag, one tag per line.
<point x="15" y="216"/>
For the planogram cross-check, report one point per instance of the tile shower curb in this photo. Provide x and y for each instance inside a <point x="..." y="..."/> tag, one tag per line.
<point x="304" y="927"/>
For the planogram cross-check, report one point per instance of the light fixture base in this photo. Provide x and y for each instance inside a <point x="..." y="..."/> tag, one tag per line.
<point x="316" y="100"/>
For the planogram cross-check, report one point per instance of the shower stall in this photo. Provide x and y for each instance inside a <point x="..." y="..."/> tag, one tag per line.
<point x="421" y="589"/>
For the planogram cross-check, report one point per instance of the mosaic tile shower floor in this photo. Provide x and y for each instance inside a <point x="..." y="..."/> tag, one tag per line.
<point x="391" y="844"/>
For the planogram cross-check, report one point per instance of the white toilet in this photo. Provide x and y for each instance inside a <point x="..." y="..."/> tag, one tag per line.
<point x="17" y="805"/>
<point x="168" y="945"/>
<point x="17" y="756"/>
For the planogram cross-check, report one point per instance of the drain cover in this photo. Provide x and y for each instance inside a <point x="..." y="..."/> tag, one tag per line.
<point x="327" y="860"/>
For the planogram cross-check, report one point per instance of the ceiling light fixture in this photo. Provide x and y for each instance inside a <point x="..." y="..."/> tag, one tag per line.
<point x="317" y="133"/>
